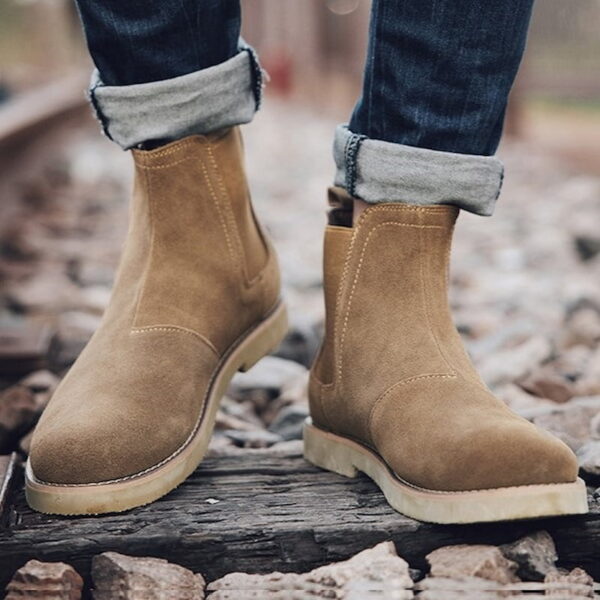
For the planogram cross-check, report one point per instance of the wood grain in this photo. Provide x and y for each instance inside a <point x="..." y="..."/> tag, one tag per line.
<point x="273" y="513"/>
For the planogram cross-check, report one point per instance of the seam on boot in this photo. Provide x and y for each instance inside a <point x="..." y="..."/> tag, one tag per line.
<point x="185" y="443"/>
<point x="142" y="286"/>
<point x="425" y="300"/>
<point x="144" y="155"/>
<point x="167" y="165"/>
<point x="357" y="274"/>
<point x="319" y="400"/>
<point x="151" y="217"/>
<point x="400" y="383"/>
<point x="230" y="219"/>
<point x="335" y="351"/>
<point x="376" y="208"/>
<point x="176" y="329"/>
<point x="219" y="208"/>
<point x="336" y="384"/>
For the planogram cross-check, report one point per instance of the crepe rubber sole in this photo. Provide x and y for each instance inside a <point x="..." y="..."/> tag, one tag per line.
<point x="346" y="457"/>
<point x="149" y="485"/>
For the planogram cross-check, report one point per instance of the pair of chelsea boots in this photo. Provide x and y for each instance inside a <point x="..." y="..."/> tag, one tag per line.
<point x="197" y="297"/>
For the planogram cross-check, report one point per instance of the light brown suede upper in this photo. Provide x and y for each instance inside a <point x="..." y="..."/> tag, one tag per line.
<point x="196" y="274"/>
<point x="392" y="372"/>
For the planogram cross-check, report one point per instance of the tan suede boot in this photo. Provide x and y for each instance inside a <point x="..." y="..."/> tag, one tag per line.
<point x="394" y="395"/>
<point x="196" y="298"/>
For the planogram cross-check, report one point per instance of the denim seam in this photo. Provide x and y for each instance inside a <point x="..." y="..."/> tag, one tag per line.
<point x="257" y="75"/>
<point x="351" y="157"/>
<point x="99" y="114"/>
<point x="500" y="183"/>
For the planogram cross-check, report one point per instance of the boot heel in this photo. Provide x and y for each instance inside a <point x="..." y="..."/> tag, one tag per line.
<point x="266" y="338"/>
<point x="322" y="450"/>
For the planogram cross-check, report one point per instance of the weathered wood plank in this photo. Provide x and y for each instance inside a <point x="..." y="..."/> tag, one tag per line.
<point x="8" y="464"/>
<point x="274" y="513"/>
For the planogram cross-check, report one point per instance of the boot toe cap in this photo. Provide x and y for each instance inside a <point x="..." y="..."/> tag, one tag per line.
<point x="469" y="442"/>
<point x="491" y="458"/>
<point x="114" y="419"/>
<point x="93" y="453"/>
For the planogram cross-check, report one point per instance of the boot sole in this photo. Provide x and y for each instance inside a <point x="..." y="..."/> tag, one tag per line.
<point x="143" y="488"/>
<point x="346" y="457"/>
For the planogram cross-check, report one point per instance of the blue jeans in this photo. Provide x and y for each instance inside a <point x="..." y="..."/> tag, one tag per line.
<point x="437" y="78"/>
<point x="438" y="72"/>
<point x="139" y="41"/>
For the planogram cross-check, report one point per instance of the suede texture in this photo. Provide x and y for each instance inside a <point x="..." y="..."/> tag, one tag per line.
<point x="196" y="274"/>
<point x="392" y="372"/>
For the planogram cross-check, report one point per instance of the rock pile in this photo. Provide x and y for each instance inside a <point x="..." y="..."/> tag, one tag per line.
<point x="465" y="572"/>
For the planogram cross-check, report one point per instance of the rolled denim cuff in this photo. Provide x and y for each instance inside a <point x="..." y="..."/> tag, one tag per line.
<point x="377" y="171"/>
<point x="225" y="95"/>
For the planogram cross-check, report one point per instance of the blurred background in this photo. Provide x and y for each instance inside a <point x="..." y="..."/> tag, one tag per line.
<point x="525" y="284"/>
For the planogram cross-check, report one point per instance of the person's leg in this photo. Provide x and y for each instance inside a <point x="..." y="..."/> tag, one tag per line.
<point x="197" y="292"/>
<point x="392" y="392"/>
<point x="437" y="77"/>
<point x="169" y="69"/>
<point x="140" y="41"/>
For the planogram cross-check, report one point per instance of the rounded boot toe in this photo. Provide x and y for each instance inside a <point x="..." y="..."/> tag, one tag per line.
<point x="93" y="453"/>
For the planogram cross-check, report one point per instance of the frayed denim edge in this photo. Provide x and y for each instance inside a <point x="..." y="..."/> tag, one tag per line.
<point x="258" y="74"/>
<point x="96" y="106"/>
<point x="351" y="159"/>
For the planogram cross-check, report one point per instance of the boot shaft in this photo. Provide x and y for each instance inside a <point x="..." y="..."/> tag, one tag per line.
<point x="195" y="251"/>
<point x="387" y="315"/>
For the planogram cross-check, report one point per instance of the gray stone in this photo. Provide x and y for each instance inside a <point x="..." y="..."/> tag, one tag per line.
<point x="511" y="364"/>
<point x="301" y="342"/>
<point x="41" y="381"/>
<point x="19" y="410"/>
<point x="74" y="329"/>
<point x="289" y="448"/>
<point x="589" y="382"/>
<point x="288" y="424"/>
<point x="120" y="577"/>
<point x="50" y="291"/>
<point x="243" y="410"/>
<point x="595" y="427"/>
<point x="587" y="246"/>
<point x="545" y="383"/>
<point x="582" y="327"/>
<point x="220" y="445"/>
<point x="95" y="298"/>
<point x="89" y="273"/>
<point x="79" y="325"/>
<point x="46" y="581"/>
<point x="295" y="391"/>
<point x="572" y="362"/>
<point x="523" y="403"/>
<point x="571" y="425"/>
<point x="486" y="562"/>
<point x="588" y="456"/>
<point x="377" y="569"/>
<point x="270" y="373"/>
<point x="257" y="438"/>
<point x="535" y="554"/>
<point x="576" y="584"/>
<point x="224" y="421"/>
<point x="465" y="588"/>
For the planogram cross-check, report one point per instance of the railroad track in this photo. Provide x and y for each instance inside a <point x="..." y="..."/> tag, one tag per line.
<point x="31" y="125"/>
<point x="273" y="513"/>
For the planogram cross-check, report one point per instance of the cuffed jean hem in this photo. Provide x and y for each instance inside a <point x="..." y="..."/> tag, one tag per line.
<point x="377" y="171"/>
<point x="225" y="95"/>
